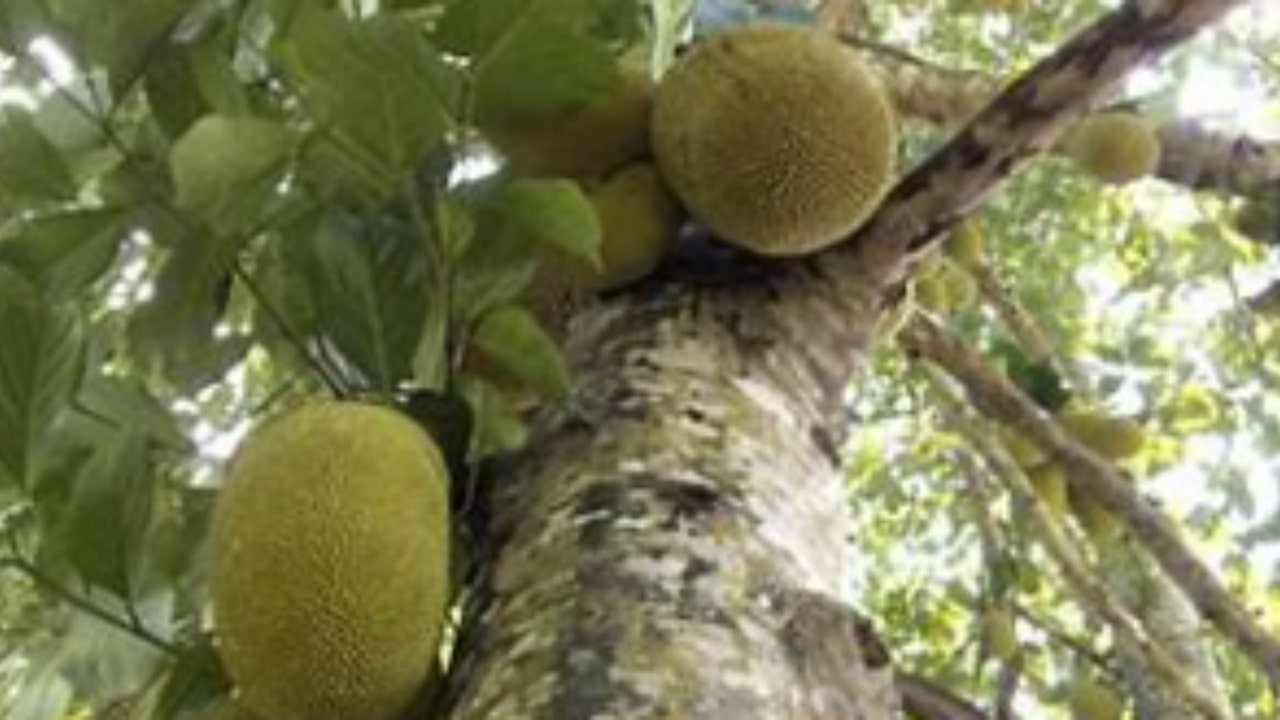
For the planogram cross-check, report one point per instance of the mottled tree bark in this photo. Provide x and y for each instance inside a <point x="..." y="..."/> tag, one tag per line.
<point x="675" y="544"/>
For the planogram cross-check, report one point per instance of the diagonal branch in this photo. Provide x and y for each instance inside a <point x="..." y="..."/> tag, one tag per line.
<point x="1023" y="120"/>
<point x="998" y="398"/>
<point x="1190" y="155"/>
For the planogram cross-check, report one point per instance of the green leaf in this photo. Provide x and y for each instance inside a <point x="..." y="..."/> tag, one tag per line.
<point x="31" y="169"/>
<point x="195" y="680"/>
<point x="377" y="86"/>
<point x="40" y="366"/>
<point x="498" y="427"/>
<point x="511" y="337"/>
<point x="20" y="21"/>
<point x="173" y="333"/>
<point x="531" y="59"/>
<point x="106" y="519"/>
<point x="66" y="252"/>
<point x="554" y="213"/>
<point x="126" y="403"/>
<point x="367" y="283"/>
<point x="186" y="81"/>
<point x="118" y="36"/>
<point x="226" y="169"/>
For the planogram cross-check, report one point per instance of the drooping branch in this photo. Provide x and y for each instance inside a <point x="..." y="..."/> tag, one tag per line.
<point x="1000" y="399"/>
<point x="1190" y="155"/>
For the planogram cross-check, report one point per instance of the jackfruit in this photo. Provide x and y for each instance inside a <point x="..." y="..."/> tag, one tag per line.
<point x="1000" y="633"/>
<point x="1115" y="147"/>
<point x="1090" y="699"/>
<point x="965" y="245"/>
<point x="930" y="293"/>
<point x="1049" y="481"/>
<point x="1114" y="438"/>
<point x="960" y="287"/>
<point x="778" y="139"/>
<point x="329" y="578"/>
<point x="589" y="142"/>
<point x="639" y="219"/>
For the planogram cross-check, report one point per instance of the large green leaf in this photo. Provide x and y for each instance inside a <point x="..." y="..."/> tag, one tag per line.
<point x="554" y="213"/>
<point x="510" y="336"/>
<point x="40" y="366"/>
<point x="377" y="86"/>
<point x="65" y="252"/>
<point x="367" y="283"/>
<point x="173" y="333"/>
<point x="106" y="519"/>
<point x="226" y="169"/>
<point x="31" y="169"/>
<point x="118" y="36"/>
<point x="531" y="59"/>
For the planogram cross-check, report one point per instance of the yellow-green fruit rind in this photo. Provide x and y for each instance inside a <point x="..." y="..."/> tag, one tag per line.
<point x="586" y="143"/>
<point x="960" y="287"/>
<point x="1049" y="481"/>
<point x="639" y="219"/>
<point x="778" y="139"/>
<point x="1092" y="700"/>
<point x="1115" y="147"/>
<point x="330" y="552"/>
<point x="1000" y="633"/>
<point x="930" y="294"/>
<point x="1111" y="437"/>
<point x="1024" y="451"/>
<point x="966" y="245"/>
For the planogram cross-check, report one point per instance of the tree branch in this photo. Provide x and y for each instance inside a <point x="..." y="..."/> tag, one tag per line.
<point x="1023" y="120"/>
<point x="1190" y="155"/>
<point x="1000" y="399"/>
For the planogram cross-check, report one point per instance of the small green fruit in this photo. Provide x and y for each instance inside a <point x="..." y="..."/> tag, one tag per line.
<point x="1115" y="147"/>
<point x="1000" y="633"/>
<point x="966" y="246"/>
<point x="1090" y="699"/>
<point x="1049" y="481"/>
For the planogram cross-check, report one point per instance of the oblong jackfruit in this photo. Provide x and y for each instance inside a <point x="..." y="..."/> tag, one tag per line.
<point x="1115" y="147"/>
<point x="329" y="577"/>
<point x="778" y="139"/>
<point x="588" y="142"/>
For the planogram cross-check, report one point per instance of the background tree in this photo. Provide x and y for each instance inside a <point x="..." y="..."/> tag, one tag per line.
<point x="211" y="211"/>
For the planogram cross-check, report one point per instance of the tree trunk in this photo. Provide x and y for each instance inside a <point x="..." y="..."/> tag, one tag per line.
<point x="675" y="545"/>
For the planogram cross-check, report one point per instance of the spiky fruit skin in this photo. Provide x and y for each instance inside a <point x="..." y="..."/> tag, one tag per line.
<point x="961" y="289"/>
<point x="777" y="138"/>
<point x="329" y="578"/>
<point x="1115" y="147"/>
<point x="930" y="293"/>
<point x="589" y="142"/>
<point x="1114" y="438"/>
<point x="639" y="218"/>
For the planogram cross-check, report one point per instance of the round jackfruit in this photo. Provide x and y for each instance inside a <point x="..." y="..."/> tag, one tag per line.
<point x="1000" y="633"/>
<point x="1115" y="147"/>
<point x="1100" y="524"/>
<point x="777" y="138"/>
<point x="1111" y="437"/>
<point x="1090" y="699"/>
<point x="588" y="142"/>
<point x="639" y="219"/>
<point x="330" y="578"/>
